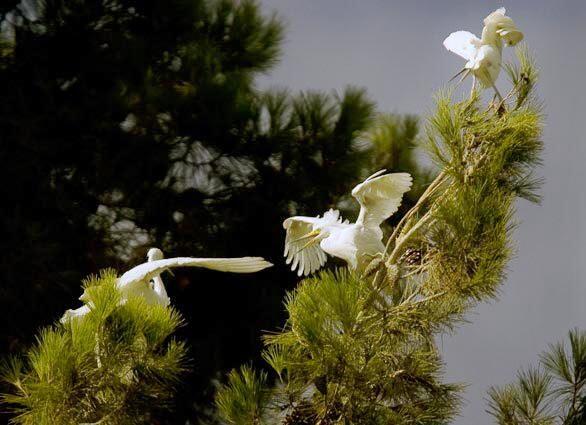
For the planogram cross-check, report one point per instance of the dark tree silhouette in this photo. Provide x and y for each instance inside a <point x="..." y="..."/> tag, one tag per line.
<point x="126" y="124"/>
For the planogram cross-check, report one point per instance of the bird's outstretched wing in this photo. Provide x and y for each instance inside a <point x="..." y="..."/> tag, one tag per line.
<point x="302" y="248"/>
<point x="462" y="43"/>
<point x="151" y="269"/>
<point x="74" y="314"/>
<point x="380" y="196"/>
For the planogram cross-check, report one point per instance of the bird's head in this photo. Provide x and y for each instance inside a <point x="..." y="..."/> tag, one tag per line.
<point x="155" y="254"/>
<point x="498" y="26"/>
<point x="330" y="220"/>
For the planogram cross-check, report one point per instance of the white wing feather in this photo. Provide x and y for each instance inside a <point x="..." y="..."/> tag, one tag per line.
<point x="495" y="16"/>
<point x="305" y="260"/>
<point x="136" y="281"/>
<point x="151" y="269"/>
<point x="74" y="314"/>
<point x="462" y="43"/>
<point x="380" y="197"/>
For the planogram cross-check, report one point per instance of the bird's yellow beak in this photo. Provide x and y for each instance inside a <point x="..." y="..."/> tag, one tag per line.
<point x="314" y="237"/>
<point x="307" y="236"/>
<point x="464" y="71"/>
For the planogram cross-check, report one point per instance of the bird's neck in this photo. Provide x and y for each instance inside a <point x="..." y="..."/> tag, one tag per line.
<point x="159" y="286"/>
<point x="490" y="36"/>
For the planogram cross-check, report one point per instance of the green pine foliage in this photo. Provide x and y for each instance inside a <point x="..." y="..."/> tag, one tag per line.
<point x="552" y="393"/>
<point x="393" y="145"/>
<point x="361" y="349"/>
<point x="118" y="364"/>
<point x="391" y="142"/>
<point x="248" y="395"/>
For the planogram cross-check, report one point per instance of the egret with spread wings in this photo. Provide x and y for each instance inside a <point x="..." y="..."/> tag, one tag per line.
<point x="484" y="55"/>
<point x="309" y="239"/>
<point x="145" y="280"/>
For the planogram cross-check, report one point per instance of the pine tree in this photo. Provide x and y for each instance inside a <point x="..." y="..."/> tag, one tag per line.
<point x="89" y="137"/>
<point x="552" y="393"/>
<point x="393" y="145"/>
<point x="118" y="364"/>
<point x="361" y="348"/>
<point x="151" y="132"/>
<point x="128" y="89"/>
<point x="149" y="104"/>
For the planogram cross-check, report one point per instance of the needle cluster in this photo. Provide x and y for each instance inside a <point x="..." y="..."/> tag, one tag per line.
<point x="553" y="393"/>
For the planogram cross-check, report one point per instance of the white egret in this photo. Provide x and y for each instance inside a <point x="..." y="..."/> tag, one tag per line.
<point x="145" y="280"/>
<point x="152" y="290"/>
<point x="309" y="239"/>
<point x="484" y="55"/>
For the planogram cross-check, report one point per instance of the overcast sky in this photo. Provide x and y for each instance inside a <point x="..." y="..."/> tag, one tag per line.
<point x="394" y="49"/>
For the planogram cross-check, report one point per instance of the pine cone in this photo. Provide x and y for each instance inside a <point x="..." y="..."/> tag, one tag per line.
<point x="301" y="414"/>
<point x="333" y="414"/>
<point x="411" y="257"/>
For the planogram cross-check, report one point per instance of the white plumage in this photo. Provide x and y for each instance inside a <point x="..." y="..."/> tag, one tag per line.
<point x="484" y="55"/>
<point x="503" y="26"/>
<point x="145" y="280"/>
<point x="463" y="43"/>
<point x="309" y="239"/>
<point x="74" y="313"/>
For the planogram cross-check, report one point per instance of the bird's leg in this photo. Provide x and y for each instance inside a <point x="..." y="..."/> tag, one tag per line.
<point x="494" y="87"/>
<point x="497" y="93"/>
<point x="473" y="86"/>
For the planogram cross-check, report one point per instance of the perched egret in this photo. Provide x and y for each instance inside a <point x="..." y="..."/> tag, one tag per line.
<point x="309" y="239"/>
<point x="145" y="280"/>
<point x="484" y="55"/>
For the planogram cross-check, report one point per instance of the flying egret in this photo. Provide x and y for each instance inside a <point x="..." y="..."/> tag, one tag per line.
<point x="145" y="280"/>
<point x="484" y="55"/>
<point x="309" y="239"/>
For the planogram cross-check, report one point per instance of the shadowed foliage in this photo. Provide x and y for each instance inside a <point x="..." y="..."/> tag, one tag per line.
<point x="115" y="365"/>
<point x="126" y="124"/>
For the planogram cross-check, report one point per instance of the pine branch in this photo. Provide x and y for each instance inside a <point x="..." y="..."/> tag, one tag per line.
<point x="554" y="393"/>
<point x="361" y="348"/>
<point x="115" y="365"/>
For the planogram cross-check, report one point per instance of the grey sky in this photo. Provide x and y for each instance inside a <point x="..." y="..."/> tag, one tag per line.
<point x="394" y="49"/>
